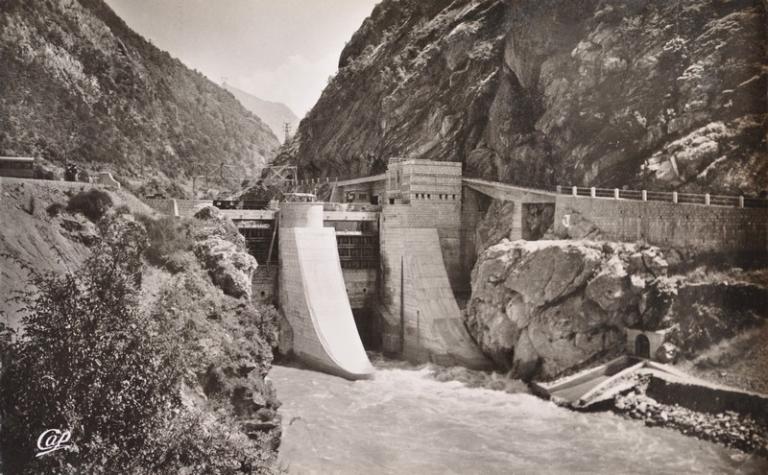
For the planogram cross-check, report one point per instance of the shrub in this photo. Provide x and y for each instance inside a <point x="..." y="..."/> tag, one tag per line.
<point x="167" y="237"/>
<point x="179" y="261"/>
<point x="89" y="361"/>
<point x="54" y="209"/>
<point x="209" y="222"/>
<point x="211" y="447"/>
<point x="93" y="204"/>
<point x="42" y="173"/>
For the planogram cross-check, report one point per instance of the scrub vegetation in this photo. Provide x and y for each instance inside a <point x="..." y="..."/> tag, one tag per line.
<point x="150" y="371"/>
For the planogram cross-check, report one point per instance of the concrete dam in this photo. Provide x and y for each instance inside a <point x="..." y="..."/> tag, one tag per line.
<point x="386" y="263"/>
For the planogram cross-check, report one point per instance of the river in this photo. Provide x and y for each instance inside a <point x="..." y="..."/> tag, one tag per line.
<point x="423" y="420"/>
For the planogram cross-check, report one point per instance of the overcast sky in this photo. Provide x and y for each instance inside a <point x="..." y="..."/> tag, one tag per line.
<point x="278" y="50"/>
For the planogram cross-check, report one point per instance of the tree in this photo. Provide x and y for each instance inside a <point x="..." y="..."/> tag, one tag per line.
<point x="91" y="362"/>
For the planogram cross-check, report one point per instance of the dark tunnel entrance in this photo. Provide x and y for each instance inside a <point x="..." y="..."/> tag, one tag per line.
<point x="368" y="328"/>
<point x="642" y="346"/>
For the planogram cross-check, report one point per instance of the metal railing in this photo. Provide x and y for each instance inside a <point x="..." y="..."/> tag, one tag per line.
<point x="705" y="199"/>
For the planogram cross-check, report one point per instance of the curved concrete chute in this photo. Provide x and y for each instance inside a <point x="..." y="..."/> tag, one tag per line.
<point x="315" y="303"/>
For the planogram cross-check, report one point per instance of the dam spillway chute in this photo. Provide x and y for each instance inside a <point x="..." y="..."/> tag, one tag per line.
<point x="313" y="295"/>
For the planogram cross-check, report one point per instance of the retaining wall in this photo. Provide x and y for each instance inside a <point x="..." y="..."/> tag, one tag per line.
<point x="710" y="399"/>
<point x="264" y="283"/>
<point x="361" y="286"/>
<point x="694" y="227"/>
<point x="420" y="318"/>
<point x="167" y="207"/>
<point x="445" y="216"/>
<point x="188" y="208"/>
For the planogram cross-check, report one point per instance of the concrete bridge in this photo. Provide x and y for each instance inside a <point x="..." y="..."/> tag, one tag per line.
<point x="386" y="262"/>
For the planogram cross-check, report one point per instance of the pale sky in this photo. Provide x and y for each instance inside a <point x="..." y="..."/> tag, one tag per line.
<point x="278" y="50"/>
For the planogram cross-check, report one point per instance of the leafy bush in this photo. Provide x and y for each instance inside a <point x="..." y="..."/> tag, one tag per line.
<point x="43" y="173"/>
<point x="180" y="261"/>
<point x="89" y="361"/>
<point x="54" y="209"/>
<point x="93" y="362"/>
<point x="209" y="222"/>
<point x="93" y="204"/>
<point x="205" y="446"/>
<point x="167" y="236"/>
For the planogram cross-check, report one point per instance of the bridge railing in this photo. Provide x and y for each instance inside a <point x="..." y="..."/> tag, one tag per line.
<point x="665" y="196"/>
<point x="616" y="193"/>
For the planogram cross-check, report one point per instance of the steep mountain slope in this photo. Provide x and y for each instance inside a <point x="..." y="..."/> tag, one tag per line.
<point x="77" y="84"/>
<point x="592" y="92"/>
<point x="274" y="114"/>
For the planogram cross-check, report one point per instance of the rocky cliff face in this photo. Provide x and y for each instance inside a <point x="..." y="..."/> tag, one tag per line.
<point x="221" y="250"/>
<point x="540" y="308"/>
<point x="593" y="92"/>
<point x="79" y="85"/>
<point x="543" y="308"/>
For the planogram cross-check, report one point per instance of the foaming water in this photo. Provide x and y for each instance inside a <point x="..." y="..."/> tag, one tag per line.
<point x="432" y="420"/>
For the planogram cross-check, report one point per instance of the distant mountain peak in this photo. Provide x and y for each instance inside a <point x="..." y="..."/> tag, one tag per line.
<point x="274" y="114"/>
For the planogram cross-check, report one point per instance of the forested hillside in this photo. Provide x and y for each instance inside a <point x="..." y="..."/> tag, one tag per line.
<point x="77" y="84"/>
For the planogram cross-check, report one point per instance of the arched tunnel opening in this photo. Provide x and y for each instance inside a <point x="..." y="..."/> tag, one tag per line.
<point x="642" y="346"/>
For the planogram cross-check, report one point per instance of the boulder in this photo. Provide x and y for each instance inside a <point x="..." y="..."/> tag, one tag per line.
<point x="230" y="267"/>
<point x="667" y="353"/>
<point x="221" y="250"/>
<point x="213" y="223"/>
<point x="541" y="308"/>
<point x="551" y="271"/>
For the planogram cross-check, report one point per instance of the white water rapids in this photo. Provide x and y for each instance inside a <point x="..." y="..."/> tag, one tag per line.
<point x="406" y="421"/>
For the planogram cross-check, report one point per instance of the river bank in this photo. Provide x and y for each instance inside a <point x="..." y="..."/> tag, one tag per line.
<point x="728" y="428"/>
<point x="424" y="420"/>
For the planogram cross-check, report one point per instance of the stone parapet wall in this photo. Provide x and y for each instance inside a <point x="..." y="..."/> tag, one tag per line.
<point x="188" y="208"/>
<point x="167" y="207"/>
<point x="694" y="227"/>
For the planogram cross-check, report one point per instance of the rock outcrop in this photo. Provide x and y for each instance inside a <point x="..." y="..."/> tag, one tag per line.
<point x="666" y="95"/>
<point x="221" y="250"/>
<point x="701" y="314"/>
<point x="541" y="308"/>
